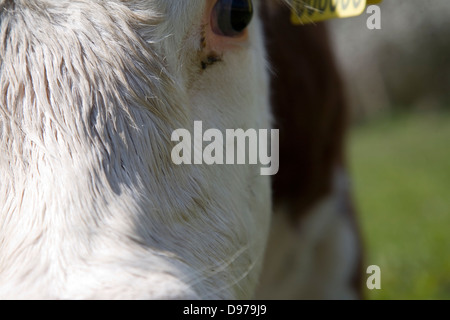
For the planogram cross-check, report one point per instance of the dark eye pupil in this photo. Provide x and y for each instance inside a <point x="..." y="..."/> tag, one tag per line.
<point x="241" y="14"/>
<point x="231" y="17"/>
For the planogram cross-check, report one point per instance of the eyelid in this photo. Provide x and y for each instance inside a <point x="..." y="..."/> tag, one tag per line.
<point x="216" y="42"/>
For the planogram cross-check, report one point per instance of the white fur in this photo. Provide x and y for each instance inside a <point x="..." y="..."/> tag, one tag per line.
<point x="318" y="257"/>
<point x="91" y="204"/>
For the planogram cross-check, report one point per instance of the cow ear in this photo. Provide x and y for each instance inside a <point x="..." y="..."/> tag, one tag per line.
<point x="309" y="107"/>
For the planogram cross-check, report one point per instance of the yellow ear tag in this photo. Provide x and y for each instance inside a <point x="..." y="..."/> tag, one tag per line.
<point x="308" y="11"/>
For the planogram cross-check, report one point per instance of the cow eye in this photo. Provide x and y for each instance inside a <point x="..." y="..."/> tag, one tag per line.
<point x="231" y="17"/>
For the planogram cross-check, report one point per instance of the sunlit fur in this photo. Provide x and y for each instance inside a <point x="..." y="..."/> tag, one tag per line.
<point x="91" y="204"/>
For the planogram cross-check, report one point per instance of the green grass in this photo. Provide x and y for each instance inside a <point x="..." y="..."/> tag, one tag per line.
<point x="401" y="171"/>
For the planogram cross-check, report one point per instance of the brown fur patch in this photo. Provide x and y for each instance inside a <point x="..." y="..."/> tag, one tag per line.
<point x="311" y="112"/>
<point x="309" y="106"/>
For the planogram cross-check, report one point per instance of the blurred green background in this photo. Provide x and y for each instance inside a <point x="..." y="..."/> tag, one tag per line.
<point x="398" y="81"/>
<point x="401" y="171"/>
